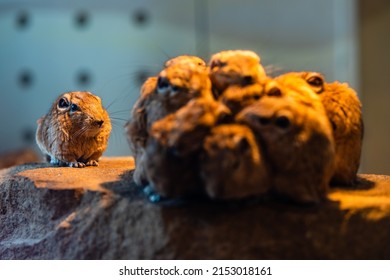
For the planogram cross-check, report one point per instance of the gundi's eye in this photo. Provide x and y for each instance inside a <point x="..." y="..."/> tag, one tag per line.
<point x="63" y="103"/>
<point x="247" y="80"/>
<point x="74" y="108"/>
<point x="162" y="83"/>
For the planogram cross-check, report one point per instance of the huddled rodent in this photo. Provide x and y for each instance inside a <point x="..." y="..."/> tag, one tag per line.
<point x="237" y="97"/>
<point x="171" y="155"/>
<point x="75" y="131"/>
<point x="185" y="59"/>
<point x="139" y="123"/>
<point x="184" y="130"/>
<point x="136" y="128"/>
<point x="235" y="67"/>
<point x="228" y="131"/>
<point x="232" y="165"/>
<point x="182" y="79"/>
<point x="344" y="111"/>
<point x="294" y="87"/>
<point x="296" y="137"/>
<point x="168" y="174"/>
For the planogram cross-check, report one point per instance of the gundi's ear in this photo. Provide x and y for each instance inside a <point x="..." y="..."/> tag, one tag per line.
<point x="316" y="81"/>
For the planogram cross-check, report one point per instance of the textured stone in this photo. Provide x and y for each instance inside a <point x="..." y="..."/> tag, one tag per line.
<point x="98" y="213"/>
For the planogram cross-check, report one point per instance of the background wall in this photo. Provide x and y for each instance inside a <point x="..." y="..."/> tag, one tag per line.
<point x="375" y="76"/>
<point x="49" y="47"/>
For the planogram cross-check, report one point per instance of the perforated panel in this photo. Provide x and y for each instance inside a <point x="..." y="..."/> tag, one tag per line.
<point x="109" y="47"/>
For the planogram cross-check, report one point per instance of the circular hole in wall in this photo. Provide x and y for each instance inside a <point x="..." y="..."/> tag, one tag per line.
<point x="26" y="78"/>
<point x="141" y="77"/>
<point x="28" y="135"/>
<point x="22" y="20"/>
<point x="82" y="19"/>
<point x="83" y="78"/>
<point x="141" y="17"/>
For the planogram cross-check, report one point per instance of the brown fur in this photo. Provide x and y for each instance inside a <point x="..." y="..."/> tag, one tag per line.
<point x="171" y="158"/>
<point x="232" y="166"/>
<point x="170" y="175"/>
<point x="185" y="59"/>
<point x="236" y="97"/>
<point x="139" y="124"/>
<point x="74" y="138"/>
<point x="344" y="111"/>
<point x="185" y="130"/>
<point x="296" y="137"/>
<point x="235" y="67"/>
<point x="186" y="78"/>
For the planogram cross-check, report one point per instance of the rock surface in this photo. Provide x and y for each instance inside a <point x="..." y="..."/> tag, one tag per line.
<point x="98" y="213"/>
<point x="17" y="157"/>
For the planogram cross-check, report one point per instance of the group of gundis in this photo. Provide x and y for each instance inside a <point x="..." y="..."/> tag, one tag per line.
<point x="227" y="130"/>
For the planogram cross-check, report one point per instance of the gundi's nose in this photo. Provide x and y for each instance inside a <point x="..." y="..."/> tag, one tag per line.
<point x="99" y="123"/>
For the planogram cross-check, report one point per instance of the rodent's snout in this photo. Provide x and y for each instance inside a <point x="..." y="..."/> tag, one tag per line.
<point x="99" y="123"/>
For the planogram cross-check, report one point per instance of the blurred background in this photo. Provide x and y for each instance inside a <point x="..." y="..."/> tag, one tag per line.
<point x="109" y="47"/>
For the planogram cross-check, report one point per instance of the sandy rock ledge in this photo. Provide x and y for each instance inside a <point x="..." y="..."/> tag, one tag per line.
<point x="98" y="213"/>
